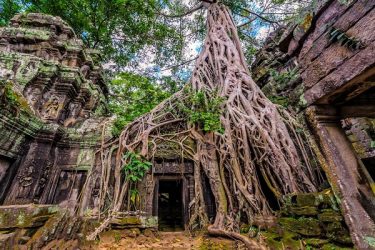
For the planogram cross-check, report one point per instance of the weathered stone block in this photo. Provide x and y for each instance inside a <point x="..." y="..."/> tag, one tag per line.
<point x="329" y="215"/>
<point x="127" y="221"/>
<point x="315" y="242"/>
<point x="135" y="222"/>
<point x="303" y="226"/>
<point x="335" y="247"/>
<point x="301" y="211"/>
<point x="336" y="232"/>
<point x="23" y="216"/>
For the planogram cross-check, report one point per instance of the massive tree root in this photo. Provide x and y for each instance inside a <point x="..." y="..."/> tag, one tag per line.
<point x="255" y="144"/>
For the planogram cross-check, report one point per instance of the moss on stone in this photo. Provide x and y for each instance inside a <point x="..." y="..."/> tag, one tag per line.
<point x="27" y="33"/>
<point x="129" y="221"/>
<point x="329" y="215"/>
<point x="286" y="240"/>
<point x="316" y="242"/>
<point x="334" y="247"/>
<point x="303" y="226"/>
<point x="300" y="211"/>
<point x="216" y="244"/>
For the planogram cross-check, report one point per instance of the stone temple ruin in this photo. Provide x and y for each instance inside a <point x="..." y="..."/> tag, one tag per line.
<point x="54" y="118"/>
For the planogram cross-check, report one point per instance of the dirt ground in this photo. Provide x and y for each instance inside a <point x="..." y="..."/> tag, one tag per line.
<point x="161" y="241"/>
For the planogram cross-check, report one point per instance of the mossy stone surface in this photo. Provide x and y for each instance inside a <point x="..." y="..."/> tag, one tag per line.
<point x="301" y="211"/>
<point x="316" y="242"/>
<point x="303" y="226"/>
<point x="329" y="215"/>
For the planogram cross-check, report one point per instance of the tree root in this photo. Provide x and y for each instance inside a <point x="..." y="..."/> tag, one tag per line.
<point x="249" y="243"/>
<point x="100" y="229"/>
<point x="256" y="142"/>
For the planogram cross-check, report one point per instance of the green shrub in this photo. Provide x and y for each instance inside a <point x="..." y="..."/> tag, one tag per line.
<point x="204" y="110"/>
<point x="136" y="166"/>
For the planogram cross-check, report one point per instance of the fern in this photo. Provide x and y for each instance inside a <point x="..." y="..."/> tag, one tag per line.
<point x="337" y="35"/>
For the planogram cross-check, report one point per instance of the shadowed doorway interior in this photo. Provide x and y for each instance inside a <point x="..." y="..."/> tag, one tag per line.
<point x="170" y="209"/>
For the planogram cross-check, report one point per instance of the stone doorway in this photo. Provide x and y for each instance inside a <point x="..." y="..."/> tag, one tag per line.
<point x="170" y="188"/>
<point x="170" y="205"/>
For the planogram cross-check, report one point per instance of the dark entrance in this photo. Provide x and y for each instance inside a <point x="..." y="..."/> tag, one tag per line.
<point x="170" y="206"/>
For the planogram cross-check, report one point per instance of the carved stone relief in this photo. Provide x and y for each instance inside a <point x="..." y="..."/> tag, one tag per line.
<point x="69" y="187"/>
<point x="43" y="181"/>
<point x="4" y="165"/>
<point x="75" y="108"/>
<point x="26" y="180"/>
<point x="51" y="108"/>
<point x="33" y="96"/>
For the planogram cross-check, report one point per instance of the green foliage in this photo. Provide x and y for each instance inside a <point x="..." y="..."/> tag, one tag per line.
<point x="308" y="247"/>
<point x="135" y="167"/>
<point x="204" y="110"/>
<point x="10" y="96"/>
<point x="117" y="237"/>
<point x="281" y="81"/>
<point x="337" y="35"/>
<point x="131" y="31"/>
<point x="283" y="78"/>
<point x="134" y="194"/>
<point x="118" y="125"/>
<point x="134" y="95"/>
<point x="279" y="100"/>
<point x="8" y="8"/>
<point x="278" y="1"/>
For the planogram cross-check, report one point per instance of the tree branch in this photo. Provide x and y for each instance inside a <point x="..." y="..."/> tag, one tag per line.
<point x="259" y="16"/>
<point x="179" y="65"/>
<point x="184" y="14"/>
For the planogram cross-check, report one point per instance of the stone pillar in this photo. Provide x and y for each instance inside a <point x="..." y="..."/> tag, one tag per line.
<point x="149" y="197"/>
<point x="343" y="172"/>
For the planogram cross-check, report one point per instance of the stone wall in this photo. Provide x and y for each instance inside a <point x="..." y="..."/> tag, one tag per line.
<point x="53" y="103"/>
<point x="322" y="69"/>
<point x="311" y="221"/>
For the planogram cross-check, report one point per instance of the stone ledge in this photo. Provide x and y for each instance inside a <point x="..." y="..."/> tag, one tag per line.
<point x="25" y="216"/>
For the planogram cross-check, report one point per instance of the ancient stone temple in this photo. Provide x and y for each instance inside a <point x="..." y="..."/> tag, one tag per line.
<point x="54" y="119"/>
<point x="53" y="106"/>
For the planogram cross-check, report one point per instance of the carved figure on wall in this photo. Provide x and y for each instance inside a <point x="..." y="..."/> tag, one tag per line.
<point x="33" y="96"/>
<point x="94" y="99"/>
<point x="51" y="108"/>
<point x="96" y="189"/>
<point x="95" y="193"/>
<point x="74" y="108"/>
<point x="43" y="181"/>
<point x="42" y="50"/>
<point x="25" y="180"/>
<point x="74" y="112"/>
<point x="85" y="70"/>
